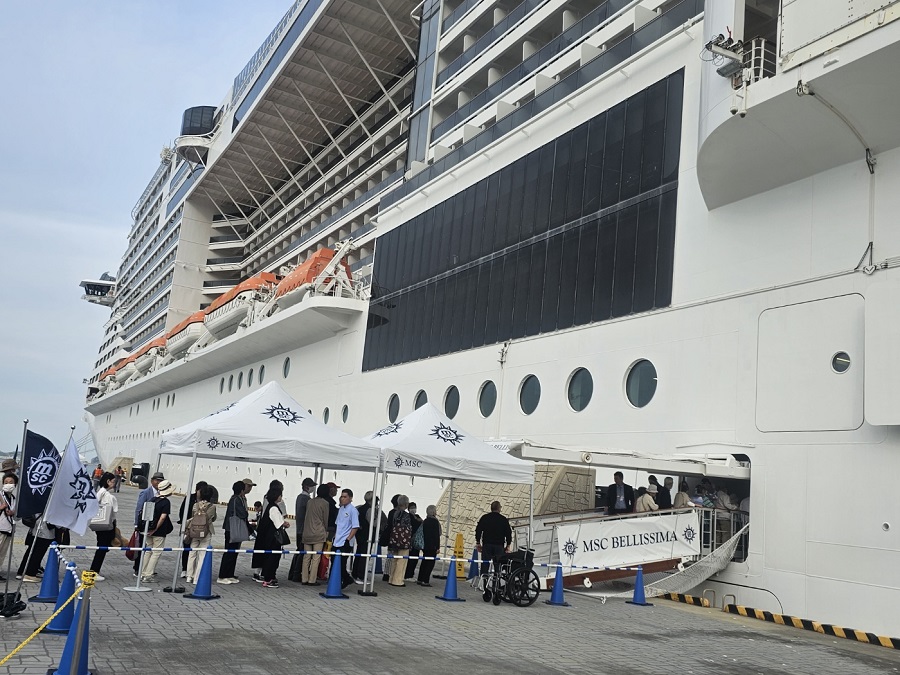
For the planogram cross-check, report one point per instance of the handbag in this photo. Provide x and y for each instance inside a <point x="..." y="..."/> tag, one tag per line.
<point x="134" y="542"/>
<point x="103" y="521"/>
<point x="281" y="537"/>
<point x="237" y="529"/>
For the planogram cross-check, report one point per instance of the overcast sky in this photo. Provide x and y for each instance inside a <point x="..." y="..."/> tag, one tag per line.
<point x="92" y="92"/>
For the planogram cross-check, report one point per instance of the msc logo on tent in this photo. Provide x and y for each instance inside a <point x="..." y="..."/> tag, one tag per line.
<point x="409" y="463"/>
<point x="214" y="443"/>
<point x="447" y="434"/>
<point x="280" y="413"/>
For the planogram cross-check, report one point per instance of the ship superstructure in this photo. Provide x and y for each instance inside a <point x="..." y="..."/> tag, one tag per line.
<point x="660" y="228"/>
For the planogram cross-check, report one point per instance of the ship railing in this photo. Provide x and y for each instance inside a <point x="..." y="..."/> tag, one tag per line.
<point x="717" y="526"/>
<point x="759" y="62"/>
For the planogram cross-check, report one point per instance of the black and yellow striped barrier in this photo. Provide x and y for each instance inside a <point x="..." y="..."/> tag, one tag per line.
<point x="806" y="624"/>
<point x="687" y="599"/>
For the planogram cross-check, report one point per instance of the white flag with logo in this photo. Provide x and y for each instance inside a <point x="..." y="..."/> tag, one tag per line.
<point x="73" y="502"/>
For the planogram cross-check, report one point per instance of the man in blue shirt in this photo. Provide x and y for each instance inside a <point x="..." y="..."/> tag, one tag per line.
<point x="149" y="493"/>
<point x="346" y="525"/>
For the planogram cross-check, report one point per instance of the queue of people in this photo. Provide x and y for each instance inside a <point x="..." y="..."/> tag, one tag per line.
<point x="731" y="511"/>
<point x="321" y="524"/>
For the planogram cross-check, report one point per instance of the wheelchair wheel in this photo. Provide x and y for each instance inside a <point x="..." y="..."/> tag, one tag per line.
<point x="496" y="599"/>
<point x="486" y="595"/>
<point x="524" y="587"/>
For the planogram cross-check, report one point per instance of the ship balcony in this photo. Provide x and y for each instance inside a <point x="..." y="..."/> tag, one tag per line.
<point x="195" y="149"/>
<point x="226" y="242"/>
<point x="313" y="320"/>
<point x="778" y="118"/>
<point x="219" y="286"/>
<point x="224" y="264"/>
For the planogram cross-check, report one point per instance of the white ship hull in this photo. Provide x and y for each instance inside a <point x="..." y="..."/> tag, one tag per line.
<point x="777" y="347"/>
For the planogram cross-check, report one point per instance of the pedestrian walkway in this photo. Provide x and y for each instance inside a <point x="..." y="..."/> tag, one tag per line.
<point x="292" y="629"/>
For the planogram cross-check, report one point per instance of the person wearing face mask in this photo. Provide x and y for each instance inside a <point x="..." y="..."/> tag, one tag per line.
<point x="105" y="497"/>
<point x="7" y="511"/>
<point x="416" y="521"/>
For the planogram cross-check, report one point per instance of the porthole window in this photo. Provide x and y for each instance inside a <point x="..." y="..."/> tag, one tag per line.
<point x="230" y="382"/>
<point x="451" y="402"/>
<point x="262" y="374"/>
<point x="325" y="415"/>
<point x="487" y="398"/>
<point x="421" y="399"/>
<point x="640" y="385"/>
<point x="250" y="378"/>
<point x="529" y="394"/>
<point x="240" y="379"/>
<point x="173" y="399"/>
<point x="221" y="389"/>
<point x="345" y="413"/>
<point x="393" y="408"/>
<point x="840" y="362"/>
<point x="580" y="389"/>
<point x="286" y="368"/>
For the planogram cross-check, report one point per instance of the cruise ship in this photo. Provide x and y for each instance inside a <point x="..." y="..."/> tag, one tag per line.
<point x="648" y="230"/>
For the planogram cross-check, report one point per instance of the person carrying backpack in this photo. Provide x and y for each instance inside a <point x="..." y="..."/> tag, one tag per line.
<point x="200" y="531"/>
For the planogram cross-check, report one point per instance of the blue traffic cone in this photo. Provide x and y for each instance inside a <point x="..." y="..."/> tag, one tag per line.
<point x="65" y="661"/>
<point x="474" y="572"/>
<point x="334" y="591"/>
<point x="378" y="567"/>
<point x="639" y="598"/>
<point x="50" y="583"/>
<point x="203" y="588"/>
<point x="450" y="586"/>
<point x="557" y="596"/>
<point x="63" y="621"/>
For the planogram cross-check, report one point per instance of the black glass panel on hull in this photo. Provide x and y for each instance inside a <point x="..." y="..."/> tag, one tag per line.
<point x="579" y="230"/>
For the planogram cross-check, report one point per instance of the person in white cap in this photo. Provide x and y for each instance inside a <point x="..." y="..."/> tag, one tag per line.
<point x="647" y="501"/>
<point x="160" y="526"/>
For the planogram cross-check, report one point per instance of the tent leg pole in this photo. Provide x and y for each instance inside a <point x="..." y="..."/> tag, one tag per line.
<point x="530" y="515"/>
<point x="175" y="588"/>
<point x="376" y="512"/>
<point x="447" y="531"/>
<point x="377" y="501"/>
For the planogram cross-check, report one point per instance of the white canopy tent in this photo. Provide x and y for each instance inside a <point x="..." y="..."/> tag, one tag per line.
<point x="427" y="443"/>
<point x="268" y="426"/>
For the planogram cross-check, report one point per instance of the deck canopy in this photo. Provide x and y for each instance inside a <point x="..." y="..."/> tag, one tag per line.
<point x="269" y="427"/>
<point x="427" y="443"/>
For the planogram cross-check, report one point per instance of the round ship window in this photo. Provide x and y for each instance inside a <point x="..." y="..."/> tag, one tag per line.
<point x="580" y="390"/>
<point x="393" y="408"/>
<point x="529" y="394"/>
<point x="640" y="385"/>
<point x="487" y="398"/>
<point x="230" y="382"/>
<point x="286" y="368"/>
<point x="240" y="379"/>
<point x="840" y="362"/>
<point x="325" y="415"/>
<point x="451" y="402"/>
<point x="421" y="399"/>
<point x="262" y="374"/>
<point x="250" y="378"/>
<point x="345" y="413"/>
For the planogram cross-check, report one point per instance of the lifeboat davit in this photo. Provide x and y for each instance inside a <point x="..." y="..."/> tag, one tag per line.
<point x="146" y="355"/>
<point x="294" y="287"/>
<point x="183" y="335"/>
<point x="225" y="314"/>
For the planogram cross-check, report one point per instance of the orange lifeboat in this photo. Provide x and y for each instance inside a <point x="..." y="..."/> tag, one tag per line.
<point x="228" y="310"/>
<point x="146" y="355"/>
<point x="294" y="287"/>
<point x="183" y="335"/>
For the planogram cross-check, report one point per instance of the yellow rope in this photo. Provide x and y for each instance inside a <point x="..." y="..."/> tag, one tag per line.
<point x="49" y="619"/>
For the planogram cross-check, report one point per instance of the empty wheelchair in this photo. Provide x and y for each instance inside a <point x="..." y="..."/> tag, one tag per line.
<point x="511" y="579"/>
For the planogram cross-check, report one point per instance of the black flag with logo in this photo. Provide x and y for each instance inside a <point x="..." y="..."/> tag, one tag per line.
<point x="40" y="462"/>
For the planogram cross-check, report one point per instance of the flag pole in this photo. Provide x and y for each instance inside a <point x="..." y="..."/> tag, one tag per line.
<point x="41" y="521"/>
<point x="12" y="535"/>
